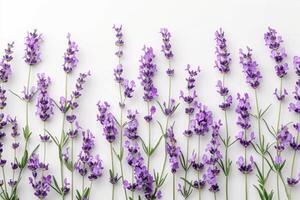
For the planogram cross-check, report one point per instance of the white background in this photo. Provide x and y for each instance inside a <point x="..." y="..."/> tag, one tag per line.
<point x="192" y="24"/>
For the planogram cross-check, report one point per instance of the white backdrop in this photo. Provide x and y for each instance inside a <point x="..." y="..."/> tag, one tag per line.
<point x="192" y="24"/>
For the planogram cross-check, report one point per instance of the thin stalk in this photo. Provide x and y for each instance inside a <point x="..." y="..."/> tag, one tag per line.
<point x="82" y="186"/>
<point x="246" y="176"/>
<point x="215" y="196"/>
<point x="62" y="138"/>
<point x="167" y="122"/>
<point x="149" y="138"/>
<point x="187" y="150"/>
<point x="174" y="188"/>
<point x="132" y="180"/>
<point x="226" y="146"/>
<point x="260" y="134"/>
<point x="285" y="187"/>
<point x="27" y="92"/>
<point x="277" y="129"/>
<point x="293" y="163"/>
<point x="4" y="179"/>
<point x="198" y="172"/>
<point x="113" y="170"/>
<point x="121" y="140"/>
<point x="72" y="172"/>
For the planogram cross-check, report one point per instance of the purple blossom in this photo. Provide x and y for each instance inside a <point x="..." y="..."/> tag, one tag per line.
<point x="202" y="120"/>
<point x="169" y="109"/>
<point x="197" y="165"/>
<point x="70" y="59"/>
<point x="213" y="147"/>
<point x="273" y="41"/>
<point x="2" y="98"/>
<point x="245" y="167"/>
<point x="132" y="126"/>
<point x="32" y="48"/>
<point x="166" y="47"/>
<point x="5" y="66"/>
<point x="296" y="63"/>
<point x="223" y="57"/>
<point x="283" y="138"/>
<point x="28" y="94"/>
<point x="295" y="107"/>
<point x="293" y="181"/>
<point x="107" y="121"/>
<point x="253" y="75"/>
<point x="44" y="102"/>
<point x="128" y="88"/>
<point x="119" y="42"/>
<point x="281" y="95"/>
<point x="73" y="133"/>
<point x="40" y="182"/>
<point x="191" y="79"/>
<point x="149" y="117"/>
<point x="243" y="111"/>
<point x="242" y="139"/>
<point x="173" y="150"/>
<point x="87" y="164"/>
<point x="212" y="174"/>
<point x="147" y="71"/>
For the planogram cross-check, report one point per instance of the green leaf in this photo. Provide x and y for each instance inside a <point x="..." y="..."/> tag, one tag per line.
<point x="155" y="147"/>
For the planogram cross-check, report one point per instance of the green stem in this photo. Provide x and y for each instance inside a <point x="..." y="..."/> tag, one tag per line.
<point x="215" y="196"/>
<point x="149" y="138"/>
<point x="246" y="176"/>
<point x="27" y="92"/>
<point x="277" y="129"/>
<point x="113" y="170"/>
<point x="72" y="172"/>
<point x="174" y="188"/>
<point x="226" y="147"/>
<point x="198" y="172"/>
<point x="293" y="163"/>
<point x="4" y="179"/>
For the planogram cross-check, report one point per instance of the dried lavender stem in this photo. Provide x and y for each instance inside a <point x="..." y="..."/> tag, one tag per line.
<point x="174" y="188"/>
<point x="113" y="170"/>
<point x="27" y="92"/>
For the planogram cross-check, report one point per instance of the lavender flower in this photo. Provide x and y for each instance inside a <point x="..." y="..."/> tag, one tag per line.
<point x="28" y="94"/>
<point x="293" y="181"/>
<point x="87" y="164"/>
<point x="202" y="120"/>
<point x="131" y="129"/>
<point x="44" y="102"/>
<point x="295" y="107"/>
<point x="280" y="95"/>
<point x="296" y="63"/>
<point x="2" y="98"/>
<point x="273" y="41"/>
<point x="107" y="121"/>
<point x="32" y="51"/>
<point x="245" y="167"/>
<point x="119" y="42"/>
<point x="253" y="75"/>
<point x="243" y="111"/>
<point x="40" y="183"/>
<point x="70" y="59"/>
<point x="173" y="150"/>
<point x="147" y="72"/>
<point x="223" y="57"/>
<point x="5" y="66"/>
<point x="283" y="139"/>
<point x="166" y="47"/>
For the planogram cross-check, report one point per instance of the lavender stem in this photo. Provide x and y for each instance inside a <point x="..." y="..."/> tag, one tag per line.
<point x="174" y="183"/>
<point x="113" y="170"/>
<point x="198" y="172"/>
<point x="149" y="137"/>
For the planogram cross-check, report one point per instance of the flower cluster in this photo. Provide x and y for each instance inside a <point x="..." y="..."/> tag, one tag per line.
<point x="214" y="155"/>
<point x="44" y="102"/>
<point x="70" y="59"/>
<point x="147" y="71"/>
<point x="107" y="121"/>
<point x="295" y="107"/>
<point x="32" y="48"/>
<point x="132" y="126"/>
<point x="273" y="41"/>
<point x="5" y="66"/>
<point x="40" y="182"/>
<point x="190" y="97"/>
<point x="253" y="75"/>
<point x="223" y="57"/>
<point x="202" y="120"/>
<point x="166" y="47"/>
<point x="173" y="150"/>
<point x="87" y="164"/>
<point x="243" y="121"/>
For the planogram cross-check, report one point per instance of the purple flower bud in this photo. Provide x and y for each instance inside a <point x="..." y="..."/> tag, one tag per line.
<point x="70" y="59"/>
<point x="5" y="66"/>
<point x="131" y="128"/>
<point x="245" y="167"/>
<point x="243" y="111"/>
<point x="173" y="150"/>
<point x="295" y="107"/>
<point x="166" y="47"/>
<point x="296" y="63"/>
<point x="2" y="98"/>
<point x="223" y="57"/>
<point x="32" y="48"/>
<point x="253" y="75"/>
<point x="147" y="71"/>
<point x="202" y="120"/>
<point x="280" y="97"/>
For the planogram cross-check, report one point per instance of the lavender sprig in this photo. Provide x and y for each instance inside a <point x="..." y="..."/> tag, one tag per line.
<point x="223" y="60"/>
<point x="190" y="100"/>
<point x="273" y="41"/>
<point x="243" y="110"/>
<point x="5" y="63"/>
<point x="147" y="70"/>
